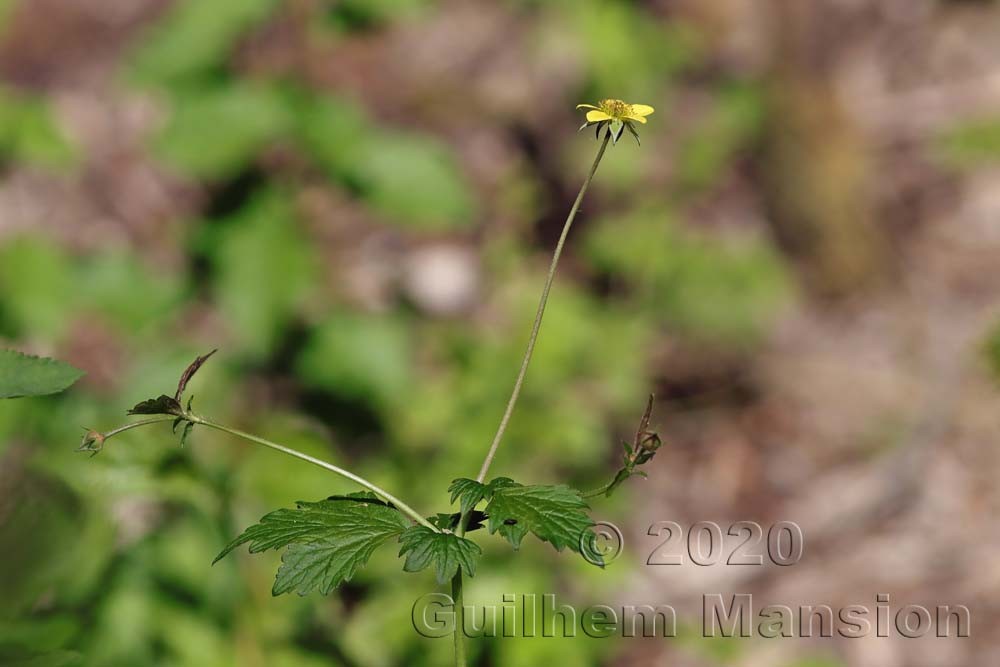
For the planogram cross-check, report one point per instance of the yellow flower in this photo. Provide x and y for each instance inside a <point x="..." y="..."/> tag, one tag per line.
<point x="617" y="116"/>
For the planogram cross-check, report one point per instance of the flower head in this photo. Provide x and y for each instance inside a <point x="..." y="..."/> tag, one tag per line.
<point x="617" y="116"/>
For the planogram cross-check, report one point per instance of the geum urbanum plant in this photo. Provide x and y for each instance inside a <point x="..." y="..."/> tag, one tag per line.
<point x="325" y="542"/>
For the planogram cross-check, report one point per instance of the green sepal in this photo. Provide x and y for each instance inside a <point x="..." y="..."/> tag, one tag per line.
<point x="631" y="128"/>
<point x="616" y="128"/>
<point x="186" y="432"/>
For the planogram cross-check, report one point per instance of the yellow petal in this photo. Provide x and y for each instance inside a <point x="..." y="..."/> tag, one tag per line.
<point x="585" y="106"/>
<point x="641" y="110"/>
<point x="637" y="118"/>
<point x="597" y="116"/>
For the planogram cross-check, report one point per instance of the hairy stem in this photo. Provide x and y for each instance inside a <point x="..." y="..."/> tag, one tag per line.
<point x="381" y="493"/>
<point x="456" y="596"/>
<point x="540" y="313"/>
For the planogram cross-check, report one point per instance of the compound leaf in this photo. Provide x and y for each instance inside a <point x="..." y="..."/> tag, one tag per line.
<point x="24" y="375"/>
<point x="327" y="541"/>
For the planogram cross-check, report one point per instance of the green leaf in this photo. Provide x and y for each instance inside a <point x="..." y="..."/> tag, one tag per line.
<point x="164" y="405"/>
<point x="469" y="490"/>
<point x="25" y="375"/>
<point x="327" y="541"/>
<point x="472" y="492"/>
<point x="555" y="514"/>
<point x="513" y="531"/>
<point x="446" y="551"/>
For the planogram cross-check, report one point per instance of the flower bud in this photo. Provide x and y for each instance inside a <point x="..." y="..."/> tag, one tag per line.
<point x="93" y="441"/>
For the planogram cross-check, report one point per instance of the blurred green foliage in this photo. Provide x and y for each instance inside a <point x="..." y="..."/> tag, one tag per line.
<point x="195" y="40"/>
<point x="726" y="290"/>
<point x="992" y="351"/>
<point x="28" y="133"/>
<point x="107" y="560"/>
<point x="972" y="143"/>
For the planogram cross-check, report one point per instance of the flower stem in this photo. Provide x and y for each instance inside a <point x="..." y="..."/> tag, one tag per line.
<point x="456" y="596"/>
<point x="541" y="312"/>
<point x="381" y="493"/>
<point x="142" y="422"/>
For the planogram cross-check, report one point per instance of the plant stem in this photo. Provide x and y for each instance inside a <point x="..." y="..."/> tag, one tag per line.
<point x="541" y="311"/>
<point x="456" y="596"/>
<point x="598" y="491"/>
<point x="143" y="422"/>
<point x="381" y="493"/>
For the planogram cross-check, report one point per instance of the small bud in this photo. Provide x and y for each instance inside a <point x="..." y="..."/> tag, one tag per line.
<point x="650" y="443"/>
<point x="93" y="441"/>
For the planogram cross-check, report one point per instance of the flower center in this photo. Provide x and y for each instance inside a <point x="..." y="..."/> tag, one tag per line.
<point x="615" y="108"/>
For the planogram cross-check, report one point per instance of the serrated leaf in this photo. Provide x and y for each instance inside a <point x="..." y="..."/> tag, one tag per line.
<point x="513" y="531"/>
<point x="164" y="405"/>
<point x="470" y="491"/>
<point x="327" y="541"/>
<point x="24" y="375"/>
<point x="500" y="483"/>
<point x="555" y="514"/>
<point x="445" y="551"/>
